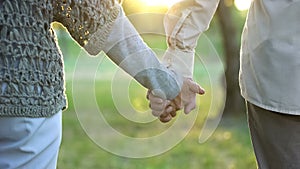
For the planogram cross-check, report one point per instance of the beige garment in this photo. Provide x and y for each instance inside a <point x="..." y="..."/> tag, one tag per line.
<point x="126" y="48"/>
<point x="270" y="56"/>
<point x="184" y="23"/>
<point x="270" y="52"/>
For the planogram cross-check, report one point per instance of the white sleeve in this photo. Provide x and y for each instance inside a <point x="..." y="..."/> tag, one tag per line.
<point x="184" y="23"/>
<point x="126" y="48"/>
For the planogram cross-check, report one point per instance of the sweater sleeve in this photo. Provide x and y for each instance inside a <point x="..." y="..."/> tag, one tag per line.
<point x="89" y="22"/>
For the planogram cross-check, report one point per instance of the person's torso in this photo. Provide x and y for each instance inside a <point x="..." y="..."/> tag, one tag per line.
<point x="270" y="61"/>
<point x="31" y="67"/>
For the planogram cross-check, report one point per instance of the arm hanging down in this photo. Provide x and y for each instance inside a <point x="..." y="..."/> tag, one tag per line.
<point x="126" y="48"/>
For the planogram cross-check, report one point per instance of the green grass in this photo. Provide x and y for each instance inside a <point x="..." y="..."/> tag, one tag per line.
<point x="228" y="148"/>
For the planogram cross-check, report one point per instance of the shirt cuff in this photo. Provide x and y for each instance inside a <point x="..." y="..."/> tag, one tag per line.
<point x="179" y="61"/>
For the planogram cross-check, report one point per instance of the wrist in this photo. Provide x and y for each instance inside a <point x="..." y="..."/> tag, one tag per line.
<point x="181" y="62"/>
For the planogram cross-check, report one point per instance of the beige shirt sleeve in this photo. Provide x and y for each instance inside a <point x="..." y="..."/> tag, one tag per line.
<point x="184" y="23"/>
<point x="126" y="48"/>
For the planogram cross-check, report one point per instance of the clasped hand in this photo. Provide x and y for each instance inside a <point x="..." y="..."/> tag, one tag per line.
<point x="165" y="110"/>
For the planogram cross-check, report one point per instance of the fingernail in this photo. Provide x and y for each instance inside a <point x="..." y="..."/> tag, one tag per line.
<point x="170" y="109"/>
<point x="202" y="91"/>
<point x="160" y="101"/>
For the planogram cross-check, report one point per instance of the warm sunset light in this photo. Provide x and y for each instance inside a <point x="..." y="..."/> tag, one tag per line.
<point x="242" y="5"/>
<point x="167" y="3"/>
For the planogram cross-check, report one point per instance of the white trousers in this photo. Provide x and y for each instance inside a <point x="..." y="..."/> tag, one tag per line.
<point x="30" y="143"/>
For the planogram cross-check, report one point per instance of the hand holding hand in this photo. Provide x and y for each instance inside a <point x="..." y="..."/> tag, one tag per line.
<point x="166" y="110"/>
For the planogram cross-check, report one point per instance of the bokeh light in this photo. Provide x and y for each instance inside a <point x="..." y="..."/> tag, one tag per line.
<point x="242" y="5"/>
<point x="167" y="3"/>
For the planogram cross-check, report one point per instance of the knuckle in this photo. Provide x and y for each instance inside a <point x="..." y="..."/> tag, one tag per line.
<point x="155" y="113"/>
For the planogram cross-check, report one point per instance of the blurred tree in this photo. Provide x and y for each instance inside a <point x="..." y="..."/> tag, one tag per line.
<point x="235" y="104"/>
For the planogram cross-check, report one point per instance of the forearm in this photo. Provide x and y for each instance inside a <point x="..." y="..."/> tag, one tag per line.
<point x="126" y="48"/>
<point x="184" y="23"/>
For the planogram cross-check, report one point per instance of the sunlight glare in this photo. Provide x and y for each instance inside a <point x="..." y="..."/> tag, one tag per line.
<point x="242" y="5"/>
<point x="167" y="3"/>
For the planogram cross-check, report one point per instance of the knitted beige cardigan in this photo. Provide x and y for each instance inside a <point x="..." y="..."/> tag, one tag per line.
<point x="31" y="65"/>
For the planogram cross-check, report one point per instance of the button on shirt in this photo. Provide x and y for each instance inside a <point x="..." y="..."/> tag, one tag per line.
<point x="270" y="51"/>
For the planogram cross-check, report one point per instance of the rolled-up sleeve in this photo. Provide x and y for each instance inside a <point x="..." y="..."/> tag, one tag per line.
<point x="184" y="23"/>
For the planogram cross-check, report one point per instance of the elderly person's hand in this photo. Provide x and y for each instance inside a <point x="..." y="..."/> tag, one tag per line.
<point x="165" y="110"/>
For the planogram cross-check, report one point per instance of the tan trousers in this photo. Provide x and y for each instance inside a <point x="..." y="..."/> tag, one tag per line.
<point x="275" y="138"/>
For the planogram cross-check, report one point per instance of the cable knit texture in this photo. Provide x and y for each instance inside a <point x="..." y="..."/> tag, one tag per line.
<point x="31" y="65"/>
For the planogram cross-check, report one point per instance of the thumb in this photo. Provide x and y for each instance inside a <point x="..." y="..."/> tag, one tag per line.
<point x="189" y="107"/>
<point x="195" y="87"/>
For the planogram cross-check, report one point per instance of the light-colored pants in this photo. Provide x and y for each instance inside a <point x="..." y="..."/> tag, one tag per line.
<point x="30" y="143"/>
<point x="275" y="138"/>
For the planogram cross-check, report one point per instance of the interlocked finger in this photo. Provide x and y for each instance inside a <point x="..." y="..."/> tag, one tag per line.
<point x="165" y="119"/>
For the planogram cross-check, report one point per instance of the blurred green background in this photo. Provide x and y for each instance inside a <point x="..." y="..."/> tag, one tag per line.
<point x="229" y="147"/>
